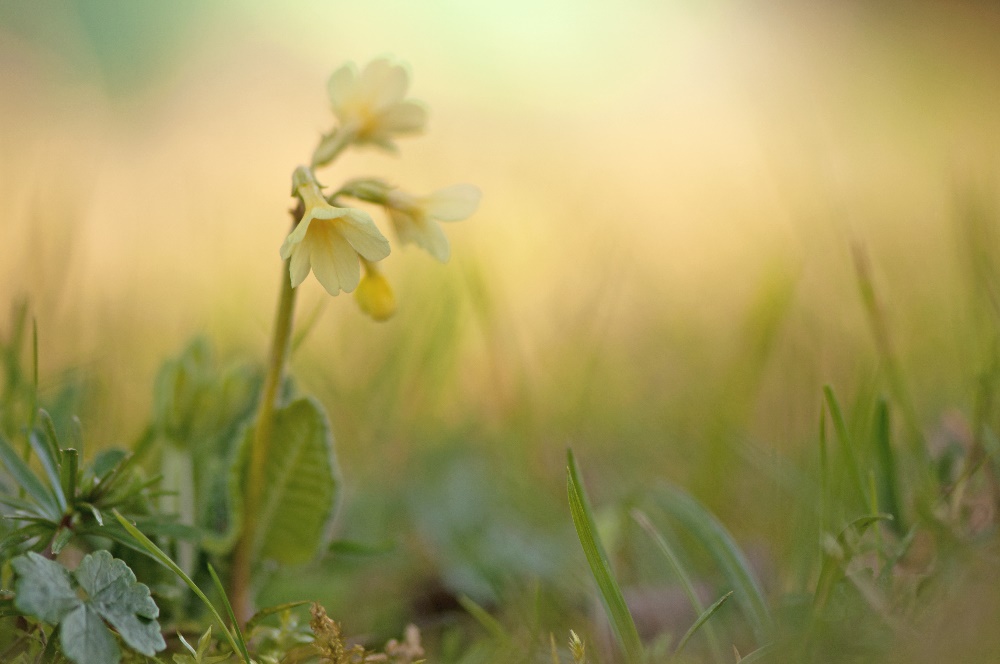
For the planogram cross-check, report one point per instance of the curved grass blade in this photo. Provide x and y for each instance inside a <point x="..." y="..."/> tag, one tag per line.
<point x="162" y="558"/>
<point x="702" y="619"/>
<point x="758" y="655"/>
<point x="686" y="583"/>
<point x="270" y="611"/>
<point x="720" y="545"/>
<point x="240" y="641"/>
<point x="483" y="617"/>
<point x="611" y="595"/>
<point x="834" y="561"/>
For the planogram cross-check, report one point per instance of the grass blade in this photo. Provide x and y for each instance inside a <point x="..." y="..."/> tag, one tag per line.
<point x="158" y="554"/>
<point x="27" y="480"/>
<point x="758" y="655"/>
<point x="483" y="617"/>
<point x="240" y="641"/>
<point x="270" y="611"/>
<point x="837" y="554"/>
<point x="846" y="445"/>
<point x="68" y="472"/>
<point x="685" y="580"/>
<point x="889" y="493"/>
<point x="724" y="550"/>
<point x="611" y="595"/>
<point x="702" y="619"/>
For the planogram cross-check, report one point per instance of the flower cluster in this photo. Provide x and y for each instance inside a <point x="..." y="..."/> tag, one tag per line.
<point x="334" y="241"/>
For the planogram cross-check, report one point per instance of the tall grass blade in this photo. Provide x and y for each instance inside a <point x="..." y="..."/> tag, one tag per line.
<point x="846" y="444"/>
<point x="240" y="641"/>
<point x="165" y="560"/>
<point x="888" y="476"/>
<point x="727" y="555"/>
<point x="702" y="619"/>
<point x="610" y="593"/>
<point x="685" y="580"/>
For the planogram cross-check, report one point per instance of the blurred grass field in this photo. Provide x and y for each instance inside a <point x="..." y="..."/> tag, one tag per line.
<point x="660" y="275"/>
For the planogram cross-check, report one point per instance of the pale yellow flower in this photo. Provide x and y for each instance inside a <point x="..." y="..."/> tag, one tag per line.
<point x="370" y="104"/>
<point x="374" y="294"/>
<point x="329" y="240"/>
<point x="416" y="218"/>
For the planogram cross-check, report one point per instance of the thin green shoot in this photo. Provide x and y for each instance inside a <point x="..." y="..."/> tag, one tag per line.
<point x="703" y="620"/>
<point x="162" y="558"/>
<point x="610" y="593"/>
<point x="719" y="543"/>
<point x="846" y="444"/>
<point x="272" y="610"/>
<point x="685" y="579"/>
<point x="483" y="617"/>
<point x="240" y="641"/>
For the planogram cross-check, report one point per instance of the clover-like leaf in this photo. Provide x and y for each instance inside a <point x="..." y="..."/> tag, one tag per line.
<point x="43" y="588"/>
<point x="84" y="638"/>
<point x="110" y="594"/>
<point x="122" y="601"/>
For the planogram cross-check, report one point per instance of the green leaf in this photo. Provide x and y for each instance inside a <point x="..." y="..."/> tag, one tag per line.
<point x="726" y="553"/>
<point x="301" y="485"/>
<point x="85" y="639"/>
<point x="43" y="588"/>
<point x="119" y="598"/>
<point x="610" y="593"/>
<point x="110" y="594"/>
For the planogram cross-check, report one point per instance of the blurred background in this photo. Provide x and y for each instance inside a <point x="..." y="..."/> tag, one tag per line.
<point x="660" y="274"/>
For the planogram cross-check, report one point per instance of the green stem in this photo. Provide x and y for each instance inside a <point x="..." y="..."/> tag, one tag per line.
<point x="242" y="598"/>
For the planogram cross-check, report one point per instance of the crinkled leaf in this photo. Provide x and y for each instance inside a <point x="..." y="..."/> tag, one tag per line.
<point x="43" y="588"/>
<point x="301" y="485"/>
<point x="85" y="639"/>
<point x="111" y="593"/>
<point x="121" y="600"/>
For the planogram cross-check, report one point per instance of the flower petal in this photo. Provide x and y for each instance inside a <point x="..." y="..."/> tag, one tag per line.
<point x="382" y="83"/>
<point x="342" y="86"/>
<point x="406" y="116"/>
<point x="361" y="232"/>
<point x="298" y="268"/>
<point x="423" y="232"/>
<point x="452" y="203"/>
<point x="295" y="237"/>
<point x="334" y="262"/>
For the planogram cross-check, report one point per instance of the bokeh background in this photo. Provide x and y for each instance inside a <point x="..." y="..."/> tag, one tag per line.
<point x="660" y="274"/>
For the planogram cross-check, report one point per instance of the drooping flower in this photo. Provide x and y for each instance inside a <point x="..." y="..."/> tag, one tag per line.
<point x="329" y="240"/>
<point x="374" y="294"/>
<point x="416" y="218"/>
<point x="370" y="107"/>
